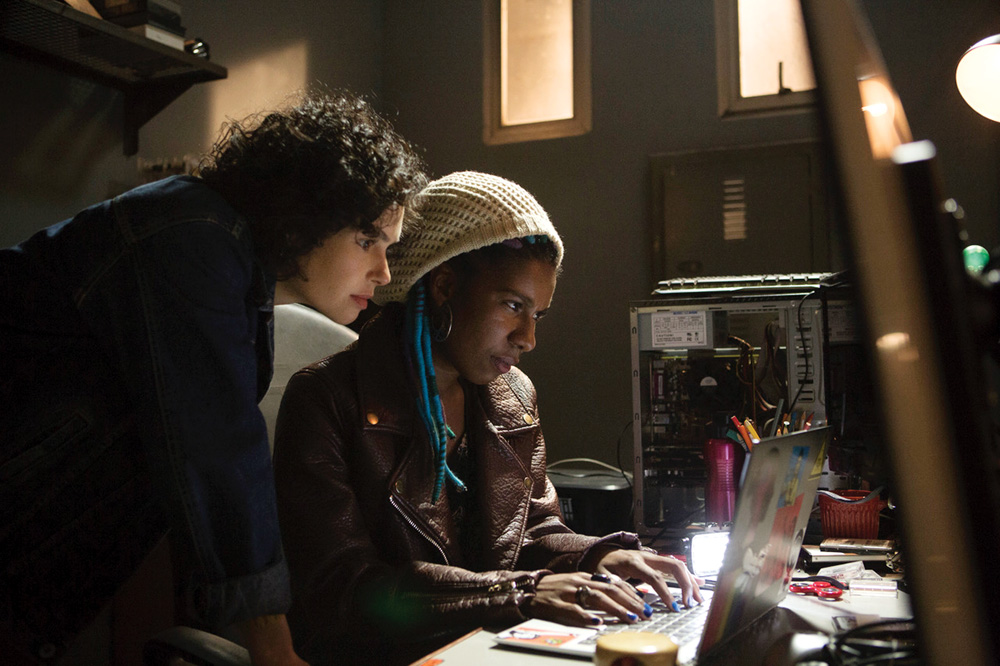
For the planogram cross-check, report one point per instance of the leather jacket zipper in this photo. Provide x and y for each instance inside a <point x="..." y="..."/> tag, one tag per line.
<point x="420" y="530"/>
<point x="525" y="583"/>
<point x="521" y="582"/>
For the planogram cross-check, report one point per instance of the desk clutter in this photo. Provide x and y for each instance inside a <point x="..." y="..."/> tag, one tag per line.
<point x="722" y="363"/>
<point x="719" y="363"/>
<point x="750" y="577"/>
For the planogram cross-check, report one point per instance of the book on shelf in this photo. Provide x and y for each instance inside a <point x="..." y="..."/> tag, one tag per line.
<point x="145" y="18"/>
<point x="114" y="7"/>
<point x="83" y="6"/>
<point x="159" y="35"/>
<point x="164" y="13"/>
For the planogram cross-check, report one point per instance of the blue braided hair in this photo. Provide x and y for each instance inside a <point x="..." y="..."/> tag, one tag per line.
<point x="429" y="402"/>
<point x="418" y="337"/>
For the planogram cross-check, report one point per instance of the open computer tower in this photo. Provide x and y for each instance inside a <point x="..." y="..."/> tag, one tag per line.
<point x="774" y="349"/>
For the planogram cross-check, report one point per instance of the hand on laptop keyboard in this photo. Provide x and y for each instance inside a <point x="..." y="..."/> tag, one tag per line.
<point x="650" y="568"/>
<point x="584" y="599"/>
<point x="684" y="626"/>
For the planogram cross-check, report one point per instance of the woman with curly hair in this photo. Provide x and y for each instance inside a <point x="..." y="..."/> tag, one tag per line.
<point x="135" y="342"/>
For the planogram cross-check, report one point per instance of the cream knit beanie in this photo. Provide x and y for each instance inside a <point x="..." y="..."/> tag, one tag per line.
<point x="458" y="213"/>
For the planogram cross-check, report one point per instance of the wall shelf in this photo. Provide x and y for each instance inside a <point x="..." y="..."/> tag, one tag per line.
<point x="150" y="75"/>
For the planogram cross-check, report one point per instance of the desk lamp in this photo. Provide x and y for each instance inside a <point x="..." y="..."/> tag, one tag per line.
<point x="978" y="77"/>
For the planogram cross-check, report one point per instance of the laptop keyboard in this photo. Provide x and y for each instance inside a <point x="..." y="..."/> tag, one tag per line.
<point x="683" y="626"/>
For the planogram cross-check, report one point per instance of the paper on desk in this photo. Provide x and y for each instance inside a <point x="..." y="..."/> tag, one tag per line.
<point x="843" y="572"/>
<point x="859" y="580"/>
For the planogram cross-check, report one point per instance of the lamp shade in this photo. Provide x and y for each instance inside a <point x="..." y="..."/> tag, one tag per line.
<point x="978" y="77"/>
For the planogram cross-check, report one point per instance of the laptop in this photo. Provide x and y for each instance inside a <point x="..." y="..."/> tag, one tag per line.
<point x="772" y="512"/>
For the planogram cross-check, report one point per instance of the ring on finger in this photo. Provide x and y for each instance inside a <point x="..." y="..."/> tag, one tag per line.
<point x="583" y="593"/>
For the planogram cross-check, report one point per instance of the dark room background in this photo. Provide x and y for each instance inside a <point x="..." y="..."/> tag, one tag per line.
<point x="654" y="91"/>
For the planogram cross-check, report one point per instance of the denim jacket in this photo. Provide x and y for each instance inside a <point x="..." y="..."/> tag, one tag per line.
<point x="163" y="281"/>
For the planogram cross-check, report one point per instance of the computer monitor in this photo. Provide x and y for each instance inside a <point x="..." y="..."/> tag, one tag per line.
<point x="924" y="359"/>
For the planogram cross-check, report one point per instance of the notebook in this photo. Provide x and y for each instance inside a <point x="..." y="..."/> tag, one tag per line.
<point x="772" y="512"/>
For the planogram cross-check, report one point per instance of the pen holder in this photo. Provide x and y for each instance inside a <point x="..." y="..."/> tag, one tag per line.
<point x="849" y="520"/>
<point x="723" y="461"/>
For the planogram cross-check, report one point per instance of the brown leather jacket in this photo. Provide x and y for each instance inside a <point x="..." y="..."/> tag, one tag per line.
<point x="370" y="556"/>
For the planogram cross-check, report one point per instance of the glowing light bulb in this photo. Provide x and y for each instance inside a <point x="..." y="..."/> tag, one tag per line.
<point x="978" y="77"/>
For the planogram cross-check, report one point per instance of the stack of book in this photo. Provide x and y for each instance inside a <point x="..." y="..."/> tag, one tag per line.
<point x="158" y="20"/>
<point x="834" y="551"/>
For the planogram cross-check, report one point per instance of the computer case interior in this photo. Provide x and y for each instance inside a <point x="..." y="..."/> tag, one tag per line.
<point x="781" y="350"/>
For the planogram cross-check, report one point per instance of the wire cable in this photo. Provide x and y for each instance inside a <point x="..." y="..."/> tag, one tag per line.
<point x="805" y="351"/>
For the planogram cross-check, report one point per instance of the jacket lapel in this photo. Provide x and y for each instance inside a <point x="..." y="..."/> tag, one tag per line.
<point x="507" y="434"/>
<point x="387" y="402"/>
<point x="504" y="432"/>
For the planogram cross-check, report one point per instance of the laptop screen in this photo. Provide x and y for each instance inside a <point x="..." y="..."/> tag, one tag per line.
<point x="708" y="550"/>
<point x="771" y="517"/>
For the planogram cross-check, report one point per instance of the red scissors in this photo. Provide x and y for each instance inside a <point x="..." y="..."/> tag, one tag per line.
<point x="820" y="588"/>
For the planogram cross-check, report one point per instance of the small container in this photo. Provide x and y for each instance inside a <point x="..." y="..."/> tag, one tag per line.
<point x="723" y="459"/>
<point x="850" y="520"/>
<point x="638" y="648"/>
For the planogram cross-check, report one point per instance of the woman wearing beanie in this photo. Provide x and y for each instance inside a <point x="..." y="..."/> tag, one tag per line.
<point x="410" y="469"/>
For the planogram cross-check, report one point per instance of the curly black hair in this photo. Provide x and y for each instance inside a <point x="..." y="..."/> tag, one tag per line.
<point x="301" y="174"/>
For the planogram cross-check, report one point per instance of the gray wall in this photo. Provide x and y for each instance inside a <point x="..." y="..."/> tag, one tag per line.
<point x="654" y="92"/>
<point x="270" y="49"/>
<point x="60" y="143"/>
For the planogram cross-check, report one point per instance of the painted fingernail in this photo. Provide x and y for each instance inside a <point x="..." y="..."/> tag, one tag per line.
<point x="594" y="619"/>
<point x="632" y="616"/>
<point x="647" y="611"/>
<point x="675" y="606"/>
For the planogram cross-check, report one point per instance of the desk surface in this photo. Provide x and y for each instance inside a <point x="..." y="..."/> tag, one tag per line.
<point x="813" y="614"/>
